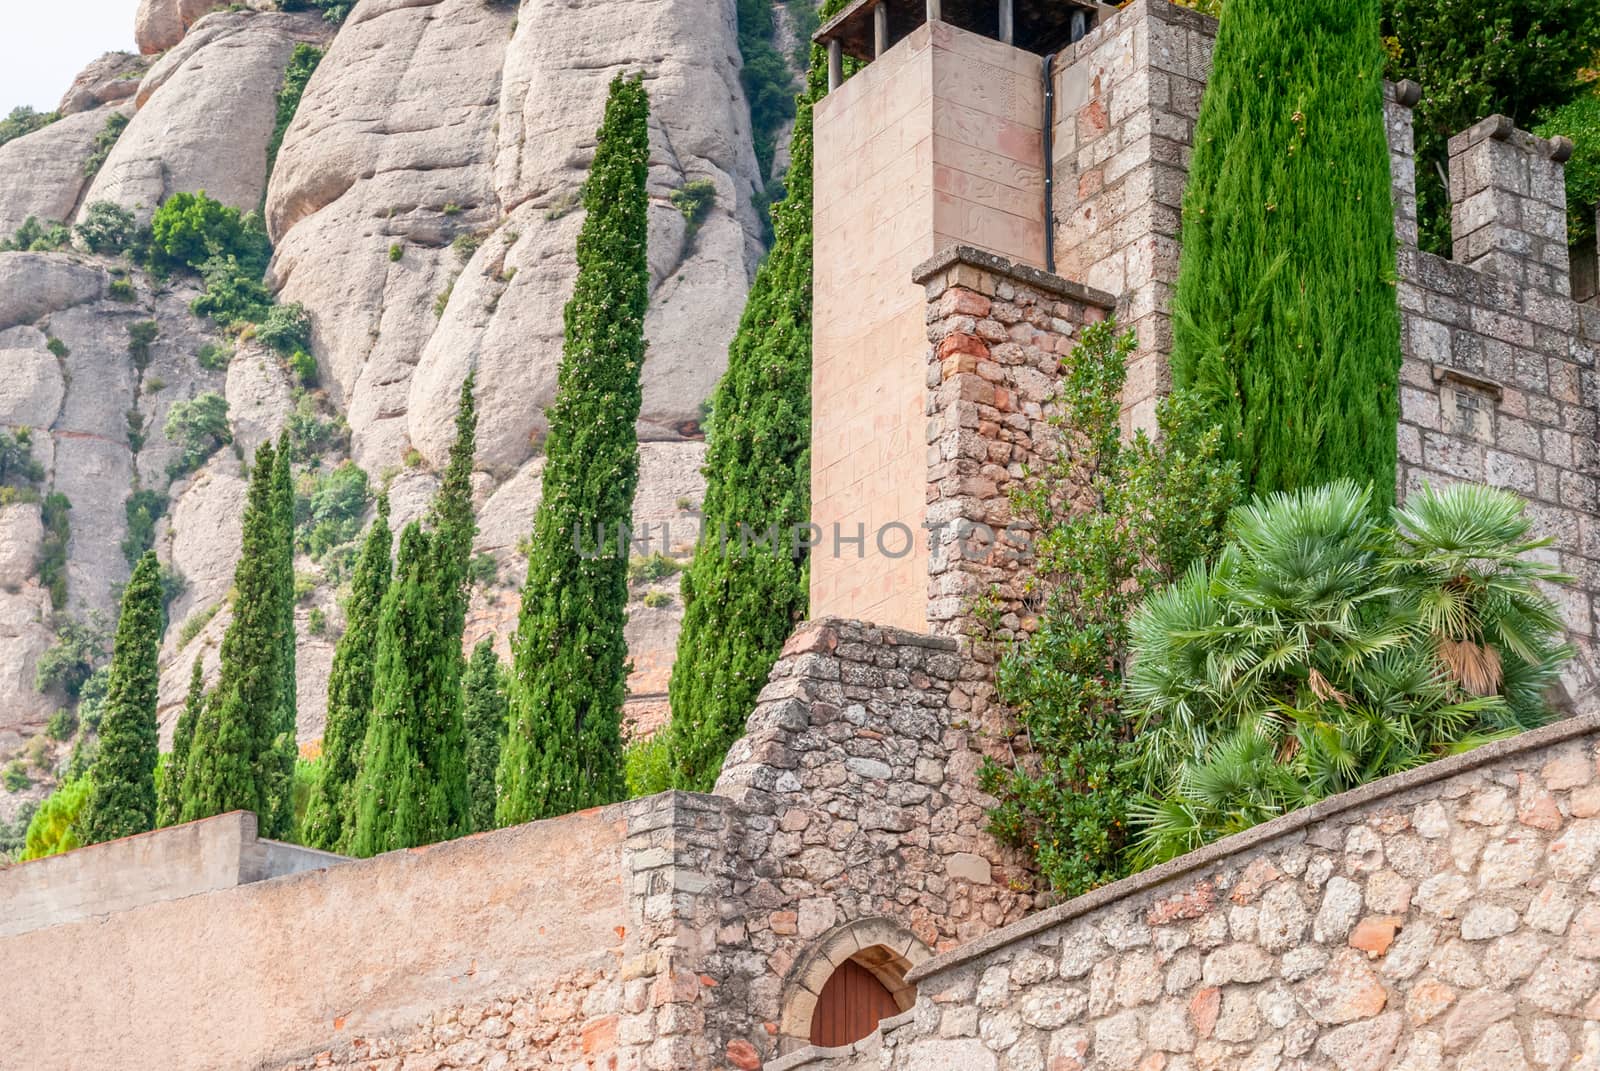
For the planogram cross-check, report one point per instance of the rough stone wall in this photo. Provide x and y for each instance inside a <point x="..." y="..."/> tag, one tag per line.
<point x="1127" y="96"/>
<point x="1445" y="918"/>
<point x="856" y="798"/>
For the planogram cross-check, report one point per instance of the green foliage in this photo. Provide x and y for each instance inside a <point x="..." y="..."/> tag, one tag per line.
<point x="286" y="329"/>
<point x="231" y="763"/>
<point x="18" y="466"/>
<point x="195" y="622"/>
<point x="91" y="702"/>
<point x="120" y="290"/>
<point x="57" y="348"/>
<point x="67" y="663"/>
<point x="36" y="237"/>
<point x="647" y="766"/>
<point x="334" y="11"/>
<point x="197" y="428"/>
<point x="310" y="433"/>
<point x="303" y="367"/>
<point x="232" y="295"/>
<point x="651" y="568"/>
<point x="190" y="229"/>
<point x="396" y="251"/>
<point x="740" y="608"/>
<point x="328" y="814"/>
<point x="1518" y="58"/>
<point x="768" y="82"/>
<point x="330" y="514"/>
<point x="107" y="228"/>
<point x="169" y="798"/>
<point x="23" y="121"/>
<point x="15" y="776"/>
<point x="14" y="834"/>
<point x="1580" y="121"/>
<point x="655" y="600"/>
<point x="694" y="199"/>
<point x="141" y="333"/>
<point x="214" y="357"/>
<point x="484" y="715"/>
<point x="465" y="245"/>
<point x="1286" y="326"/>
<point x="317" y="621"/>
<point x="123" y="799"/>
<point x="143" y="508"/>
<point x="1113" y="518"/>
<point x="104" y="142"/>
<point x="54" y="828"/>
<point x="442" y="300"/>
<point x="53" y="550"/>
<point x="62" y="724"/>
<point x="279" y="763"/>
<point x="1322" y="650"/>
<point x="564" y="748"/>
<point x="483" y="570"/>
<point x="411" y="788"/>
<point x="302" y="64"/>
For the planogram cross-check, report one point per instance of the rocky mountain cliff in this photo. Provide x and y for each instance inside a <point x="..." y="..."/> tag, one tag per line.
<point x="423" y="208"/>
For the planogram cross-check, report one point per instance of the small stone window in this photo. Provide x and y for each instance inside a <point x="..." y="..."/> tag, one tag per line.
<point x="1467" y="405"/>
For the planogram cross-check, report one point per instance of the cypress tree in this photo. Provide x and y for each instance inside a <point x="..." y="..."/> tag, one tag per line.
<point x="485" y="721"/>
<point x="350" y="691"/>
<point x="122" y="801"/>
<point x="285" y="750"/>
<point x="1286" y="326"/>
<point x="170" y="804"/>
<point x="563" y="750"/>
<point x="397" y="797"/>
<point x="231" y="756"/>
<point x="740" y="608"/>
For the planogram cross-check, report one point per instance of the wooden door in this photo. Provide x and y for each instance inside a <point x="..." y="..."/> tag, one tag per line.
<point x="850" y="1006"/>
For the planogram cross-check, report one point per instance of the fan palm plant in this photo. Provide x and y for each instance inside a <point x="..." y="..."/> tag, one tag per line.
<point x="1322" y="650"/>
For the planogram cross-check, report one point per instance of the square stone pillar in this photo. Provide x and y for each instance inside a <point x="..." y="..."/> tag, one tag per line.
<point x="1508" y="205"/>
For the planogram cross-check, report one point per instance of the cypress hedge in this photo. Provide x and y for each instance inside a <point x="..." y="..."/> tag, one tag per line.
<point x="1286" y="326"/>
<point x="328" y="812"/>
<point x="122" y="801"/>
<point x="739" y="609"/>
<point x="231" y="759"/>
<point x="170" y="804"/>
<point x="563" y="751"/>
<point x="484" y="702"/>
<point x="280" y="764"/>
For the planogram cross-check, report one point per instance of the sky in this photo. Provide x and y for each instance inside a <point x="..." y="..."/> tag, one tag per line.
<point x="48" y="44"/>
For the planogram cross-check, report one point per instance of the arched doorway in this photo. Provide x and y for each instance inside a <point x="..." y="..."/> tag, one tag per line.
<point x="848" y="982"/>
<point x="850" y="1006"/>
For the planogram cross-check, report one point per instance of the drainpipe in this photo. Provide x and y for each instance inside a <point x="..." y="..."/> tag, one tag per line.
<point x="1049" y="163"/>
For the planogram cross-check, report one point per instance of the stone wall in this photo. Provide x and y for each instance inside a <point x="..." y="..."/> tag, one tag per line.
<point x="1445" y="918"/>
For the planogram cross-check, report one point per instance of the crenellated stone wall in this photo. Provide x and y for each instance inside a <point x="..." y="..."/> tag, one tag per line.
<point x="1444" y="918"/>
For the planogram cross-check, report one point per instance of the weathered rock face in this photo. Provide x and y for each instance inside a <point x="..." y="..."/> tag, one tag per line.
<point x="206" y="113"/>
<point x="160" y="24"/>
<point x="42" y="173"/>
<point x="111" y="78"/>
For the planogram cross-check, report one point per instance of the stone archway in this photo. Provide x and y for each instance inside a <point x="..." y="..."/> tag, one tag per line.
<point x="883" y="947"/>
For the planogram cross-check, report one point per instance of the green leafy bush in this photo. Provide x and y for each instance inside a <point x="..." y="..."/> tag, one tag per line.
<point x="231" y="295"/>
<point x="197" y="428"/>
<point x="1114" y="518"/>
<point x="104" y="142"/>
<point x="106" y="228"/>
<point x="647" y="569"/>
<point x="18" y="466"/>
<point x="36" y="237"/>
<point x="768" y="83"/>
<point x="53" y="551"/>
<point x="316" y="621"/>
<point x="647" y="766"/>
<point x="330" y="513"/>
<point x="1322" y="650"/>
<point x="302" y="64"/>
<point x="120" y="290"/>
<point x="214" y="357"/>
<point x="58" y="348"/>
<point x="310" y="433"/>
<point x="396" y="251"/>
<point x="303" y="367"/>
<point x="285" y="329"/>
<point x="23" y="121"/>
<point x="53" y="829"/>
<point x="15" y="776"/>
<point x="694" y="200"/>
<point x="1580" y="121"/>
<point x="62" y="724"/>
<point x="66" y="664"/>
<point x="143" y="508"/>
<point x="195" y="622"/>
<point x="190" y="228"/>
<point x="91" y="704"/>
<point x="141" y="334"/>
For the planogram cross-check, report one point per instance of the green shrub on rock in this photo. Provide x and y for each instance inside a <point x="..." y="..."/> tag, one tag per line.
<point x="106" y="228"/>
<point x="197" y="428"/>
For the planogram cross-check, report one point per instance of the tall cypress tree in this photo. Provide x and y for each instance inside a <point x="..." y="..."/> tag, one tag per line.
<point x="328" y="814"/>
<point x="231" y="759"/>
<point x="398" y="799"/>
<point x="564" y="747"/>
<point x="170" y="805"/>
<point x="484" y="703"/>
<point x="285" y="748"/>
<point x="739" y="608"/>
<point x="1287" y="330"/>
<point x="122" y="801"/>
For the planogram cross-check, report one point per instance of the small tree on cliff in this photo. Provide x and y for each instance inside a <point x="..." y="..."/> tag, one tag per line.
<point x="122" y="801"/>
<point x="564" y="747"/>
<point x="328" y="812"/>
<point x="484" y="703"/>
<point x="170" y="804"/>
<point x="1287" y="329"/>
<point x="231" y="758"/>
<point x="739" y="608"/>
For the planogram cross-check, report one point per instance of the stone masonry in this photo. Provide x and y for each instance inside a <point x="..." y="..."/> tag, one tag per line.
<point x="1448" y="917"/>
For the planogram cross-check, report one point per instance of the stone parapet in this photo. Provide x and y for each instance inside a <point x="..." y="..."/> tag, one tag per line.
<point x="1508" y="205"/>
<point x="1443" y="918"/>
